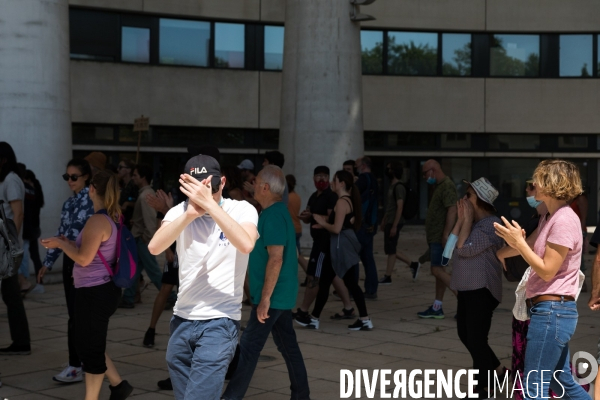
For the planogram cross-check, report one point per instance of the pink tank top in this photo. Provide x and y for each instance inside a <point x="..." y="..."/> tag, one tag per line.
<point x="96" y="273"/>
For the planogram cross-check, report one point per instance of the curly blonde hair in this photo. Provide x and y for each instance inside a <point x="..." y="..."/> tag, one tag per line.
<point x="558" y="179"/>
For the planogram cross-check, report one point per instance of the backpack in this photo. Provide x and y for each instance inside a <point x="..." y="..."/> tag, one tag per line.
<point x="369" y="207"/>
<point x="123" y="272"/>
<point x="411" y="202"/>
<point x="10" y="249"/>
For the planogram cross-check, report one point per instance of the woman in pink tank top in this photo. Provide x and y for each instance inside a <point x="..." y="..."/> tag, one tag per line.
<point x="96" y="295"/>
<point x="554" y="253"/>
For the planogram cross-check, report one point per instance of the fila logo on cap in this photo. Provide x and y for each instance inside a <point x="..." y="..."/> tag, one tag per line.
<point x="198" y="170"/>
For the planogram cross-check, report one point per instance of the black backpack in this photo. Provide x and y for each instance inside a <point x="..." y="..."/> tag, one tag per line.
<point x="411" y="202"/>
<point x="10" y="250"/>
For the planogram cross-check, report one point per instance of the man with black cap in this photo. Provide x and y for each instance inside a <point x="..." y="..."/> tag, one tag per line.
<point x="320" y="202"/>
<point x="214" y="238"/>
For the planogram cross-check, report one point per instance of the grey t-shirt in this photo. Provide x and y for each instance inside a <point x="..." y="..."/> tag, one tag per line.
<point x="11" y="189"/>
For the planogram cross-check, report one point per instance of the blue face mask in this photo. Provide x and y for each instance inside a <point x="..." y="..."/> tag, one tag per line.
<point x="533" y="202"/>
<point x="449" y="249"/>
<point x="431" y="180"/>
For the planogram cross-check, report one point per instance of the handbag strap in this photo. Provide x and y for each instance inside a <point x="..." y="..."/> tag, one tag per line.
<point x="108" y="268"/>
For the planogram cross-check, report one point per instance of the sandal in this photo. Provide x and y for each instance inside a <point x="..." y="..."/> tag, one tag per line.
<point x="346" y="314"/>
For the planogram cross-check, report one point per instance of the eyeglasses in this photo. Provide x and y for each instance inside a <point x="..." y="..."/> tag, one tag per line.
<point x="73" y="177"/>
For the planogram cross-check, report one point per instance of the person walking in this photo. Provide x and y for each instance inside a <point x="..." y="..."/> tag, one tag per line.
<point x="76" y="210"/>
<point x="369" y="193"/>
<point x="12" y="193"/>
<point x="393" y="221"/>
<point x="477" y="276"/>
<point x="129" y="190"/>
<point x="96" y="295"/>
<point x="344" y="220"/>
<point x="554" y="253"/>
<point x="441" y="216"/>
<point x="273" y="276"/>
<point x="214" y="238"/>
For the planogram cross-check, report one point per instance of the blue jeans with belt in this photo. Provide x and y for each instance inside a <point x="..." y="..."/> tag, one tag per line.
<point x="552" y="325"/>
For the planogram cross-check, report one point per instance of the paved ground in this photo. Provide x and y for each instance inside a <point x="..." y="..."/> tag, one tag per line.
<point x="399" y="341"/>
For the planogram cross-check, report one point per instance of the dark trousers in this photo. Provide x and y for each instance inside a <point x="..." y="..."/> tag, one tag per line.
<point x="351" y="282"/>
<point x="69" y="287"/>
<point x="279" y="324"/>
<point x="366" y="256"/>
<point x="94" y="307"/>
<point x="17" y="318"/>
<point x="34" y="254"/>
<point x="474" y="319"/>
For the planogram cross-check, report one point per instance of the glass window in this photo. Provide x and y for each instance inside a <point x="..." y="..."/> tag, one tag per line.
<point x="184" y="42"/>
<point x="180" y="135"/>
<point x="456" y="54"/>
<point x="371" y="43"/>
<point x="515" y="55"/>
<point x="412" y="53"/>
<point x="598" y="52"/>
<point x="375" y="140"/>
<point x="403" y="139"/>
<point x="274" y="47"/>
<point x="572" y="142"/>
<point x="135" y="44"/>
<point x="576" y="55"/>
<point x="94" y="35"/>
<point x="127" y="135"/>
<point x="514" y="142"/>
<point x="455" y="141"/>
<point x="229" y="45"/>
<point x="91" y="133"/>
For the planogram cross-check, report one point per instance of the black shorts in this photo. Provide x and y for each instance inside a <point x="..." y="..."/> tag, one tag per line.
<point x="390" y="244"/>
<point x="170" y="274"/>
<point x="319" y="259"/>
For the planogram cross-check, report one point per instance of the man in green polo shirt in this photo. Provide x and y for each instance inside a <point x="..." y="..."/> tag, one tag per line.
<point x="273" y="274"/>
<point x="440" y="219"/>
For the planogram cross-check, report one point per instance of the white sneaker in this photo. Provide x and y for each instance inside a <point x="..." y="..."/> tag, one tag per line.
<point x="69" y="375"/>
<point x="361" y="325"/>
<point x="38" y="289"/>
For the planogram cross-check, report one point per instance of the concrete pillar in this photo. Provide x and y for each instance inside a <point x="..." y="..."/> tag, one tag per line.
<point x="321" y="112"/>
<point x="35" y="115"/>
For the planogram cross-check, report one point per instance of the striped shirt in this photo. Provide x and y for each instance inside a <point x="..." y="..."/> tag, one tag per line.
<point x="476" y="265"/>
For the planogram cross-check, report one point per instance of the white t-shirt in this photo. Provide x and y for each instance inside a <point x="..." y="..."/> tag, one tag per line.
<point x="211" y="269"/>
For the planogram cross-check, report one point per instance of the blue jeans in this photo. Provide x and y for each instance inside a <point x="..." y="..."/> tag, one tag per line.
<point x="253" y="340"/>
<point x="552" y="326"/>
<point x="366" y="256"/>
<point x="24" y="267"/>
<point x="198" y="355"/>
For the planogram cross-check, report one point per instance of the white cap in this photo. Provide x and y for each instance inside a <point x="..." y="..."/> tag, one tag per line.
<point x="484" y="190"/>
<point x="246" y="164"/>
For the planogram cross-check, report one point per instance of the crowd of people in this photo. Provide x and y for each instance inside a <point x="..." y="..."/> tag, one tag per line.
<point x="230" y="232"/>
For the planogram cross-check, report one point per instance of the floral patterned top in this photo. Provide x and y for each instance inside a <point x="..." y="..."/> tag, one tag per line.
<point x="75" y="213"/>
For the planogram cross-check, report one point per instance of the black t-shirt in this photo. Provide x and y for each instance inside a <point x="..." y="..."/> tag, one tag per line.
<point x="369" y="193"/>
<point x="320" y="204"/>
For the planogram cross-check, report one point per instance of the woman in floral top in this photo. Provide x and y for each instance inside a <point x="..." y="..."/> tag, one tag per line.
<point x="75" y="213"/>
<point x="477" y="276"/>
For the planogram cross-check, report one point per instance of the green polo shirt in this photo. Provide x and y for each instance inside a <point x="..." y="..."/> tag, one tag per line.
<point x="276" y="228"/>
<point x="444" y="196"/>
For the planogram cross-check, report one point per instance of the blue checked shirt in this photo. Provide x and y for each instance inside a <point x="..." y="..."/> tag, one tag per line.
<point x="75" y="213"/>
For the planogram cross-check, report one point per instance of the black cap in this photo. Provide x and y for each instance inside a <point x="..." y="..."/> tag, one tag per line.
<point x="321" y="169"/>
<point x="201" y="167"/>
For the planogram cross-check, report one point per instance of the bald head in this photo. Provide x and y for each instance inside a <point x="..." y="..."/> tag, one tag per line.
<point x="432" y="168"/>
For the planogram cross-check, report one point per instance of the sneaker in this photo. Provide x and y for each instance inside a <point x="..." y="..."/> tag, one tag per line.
<point x="371" y="296"/>
<point x="14" y="350"/>
<point x="126" y="304"/>
<point x="430" y="313"/>
<point x="414" y="269"/>
<point x="361" y="325"/>
<point x="149" y="337"/>
<point x="121" y="391"/>
<point x="69" y="375"/>
<point x="307" y="321"/>
<point x="386" y="280"/>
<point x="165" y="384"/>
<point x="346" y="314"/>
<point x="38" y="289"/>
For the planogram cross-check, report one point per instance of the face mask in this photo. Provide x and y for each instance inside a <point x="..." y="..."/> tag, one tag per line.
<point x="321" y="185"/>
<point x="533" y="203"/>
<point x="449" y="249"/>
<point x="431" y="180"/>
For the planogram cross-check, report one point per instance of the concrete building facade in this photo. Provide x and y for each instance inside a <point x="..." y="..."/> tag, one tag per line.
<point x="489" y="87"/>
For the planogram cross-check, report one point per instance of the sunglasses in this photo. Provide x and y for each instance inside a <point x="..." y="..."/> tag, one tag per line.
<point x="73" y="177"/>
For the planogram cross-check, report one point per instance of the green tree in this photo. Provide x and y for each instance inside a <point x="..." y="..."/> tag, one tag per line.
<point x="411" y="59"/>
<point x="461" y="65"/>
<point x="501" y="64"/>
<point x="372" y="60"/>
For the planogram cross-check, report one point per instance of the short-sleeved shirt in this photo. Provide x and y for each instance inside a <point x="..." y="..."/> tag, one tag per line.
<point x="143" y="221"/>
<point x="564" y="229"/>
<point x="294" y="204"/>
<point x="396" y="192"/>
<point x="444" y="196"/>
<point x="319" y="204"/>
<point x="275" y="228"/>
<point x="211" y="269"/>
<point x="11" y="189"/>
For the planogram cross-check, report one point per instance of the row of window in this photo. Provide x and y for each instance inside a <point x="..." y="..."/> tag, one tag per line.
<point x="168" y="136"/>
<point x="117" y="37"/>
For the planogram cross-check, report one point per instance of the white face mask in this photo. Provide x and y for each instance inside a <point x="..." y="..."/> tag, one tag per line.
<point x="449" y="249"/>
